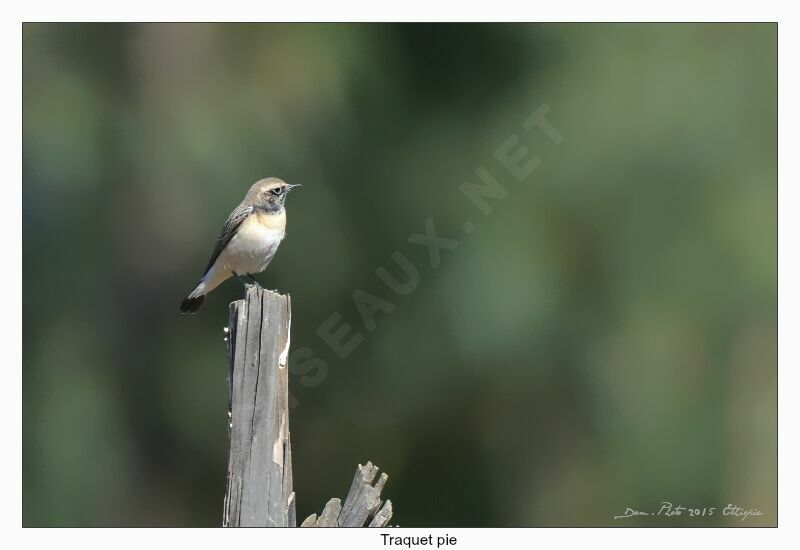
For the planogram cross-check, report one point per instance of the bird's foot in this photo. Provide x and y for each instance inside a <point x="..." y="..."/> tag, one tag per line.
<point x="248" y="281"/>
<point x="255" y="283"/>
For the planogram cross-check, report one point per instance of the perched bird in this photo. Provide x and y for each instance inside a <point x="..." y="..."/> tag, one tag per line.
<point x="248" y="240"/>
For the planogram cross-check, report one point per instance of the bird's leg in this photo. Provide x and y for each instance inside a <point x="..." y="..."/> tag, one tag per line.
<point x="243" y="279"/>
<point x="253" y="281"/>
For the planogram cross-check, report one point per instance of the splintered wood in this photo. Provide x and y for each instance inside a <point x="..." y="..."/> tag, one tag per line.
<point x="362" y="507"/>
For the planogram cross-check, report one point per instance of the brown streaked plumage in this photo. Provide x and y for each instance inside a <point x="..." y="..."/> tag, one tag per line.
<point x="248" y="239"/>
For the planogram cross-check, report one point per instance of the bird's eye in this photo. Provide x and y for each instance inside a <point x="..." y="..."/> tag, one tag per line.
<point x="277" y="191"/>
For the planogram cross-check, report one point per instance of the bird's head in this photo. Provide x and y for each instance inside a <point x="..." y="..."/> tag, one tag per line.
<point x="269" y="194"/>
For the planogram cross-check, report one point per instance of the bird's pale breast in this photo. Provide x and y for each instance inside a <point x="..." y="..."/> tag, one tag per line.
<point x="255" y="243"/>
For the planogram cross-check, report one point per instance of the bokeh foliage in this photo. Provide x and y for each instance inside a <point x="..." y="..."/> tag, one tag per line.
<point x="605" y="338"/>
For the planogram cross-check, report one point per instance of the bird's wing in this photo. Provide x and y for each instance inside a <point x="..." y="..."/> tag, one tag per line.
<point x="228" y="231"/>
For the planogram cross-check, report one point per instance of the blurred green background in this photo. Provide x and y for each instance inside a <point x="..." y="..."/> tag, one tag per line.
<point x="605" y="338"/>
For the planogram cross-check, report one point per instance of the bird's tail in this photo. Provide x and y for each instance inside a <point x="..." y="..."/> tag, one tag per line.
<point x="194" y="300"/>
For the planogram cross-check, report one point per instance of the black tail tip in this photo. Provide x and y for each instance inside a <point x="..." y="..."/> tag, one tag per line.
<point x="191" y="305"/>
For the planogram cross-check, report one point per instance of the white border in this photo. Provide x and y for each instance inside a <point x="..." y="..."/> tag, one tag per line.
<point x="408" y="10"/>
<point x="412" y="10"/>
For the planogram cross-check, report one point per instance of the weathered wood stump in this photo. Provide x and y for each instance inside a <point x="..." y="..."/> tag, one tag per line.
<point x="260" y="464"/>
<point x="259" y="492"/>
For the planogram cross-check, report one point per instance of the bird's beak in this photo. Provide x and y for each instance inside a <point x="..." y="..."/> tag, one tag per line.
<point x="290" y="187"/>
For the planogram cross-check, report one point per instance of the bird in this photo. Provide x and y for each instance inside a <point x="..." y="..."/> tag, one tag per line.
<point x="248" y="240"/>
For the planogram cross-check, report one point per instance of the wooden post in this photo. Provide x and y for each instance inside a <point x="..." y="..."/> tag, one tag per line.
<point x="259" y="490"/>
